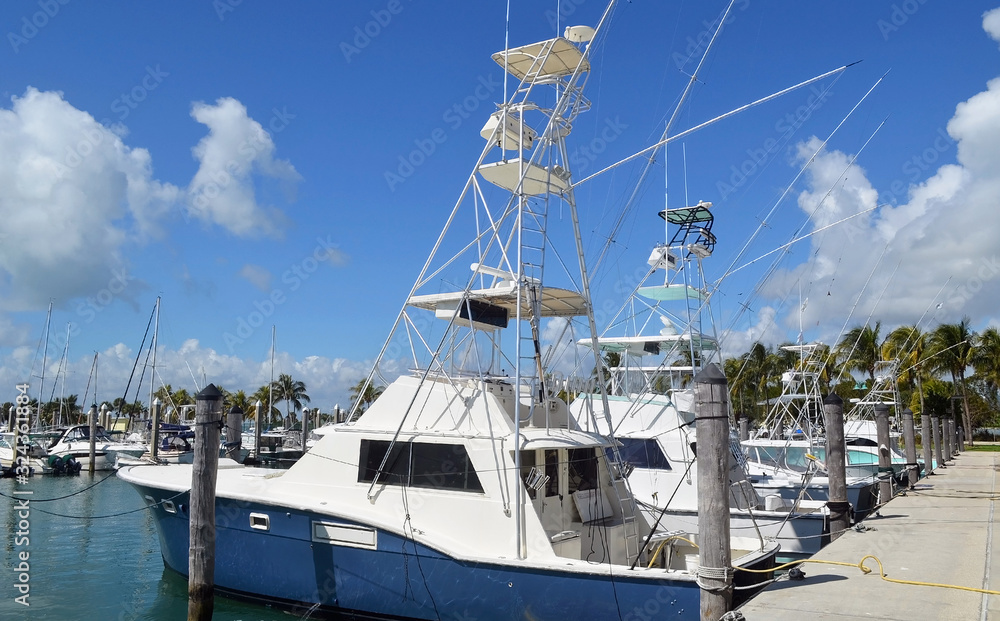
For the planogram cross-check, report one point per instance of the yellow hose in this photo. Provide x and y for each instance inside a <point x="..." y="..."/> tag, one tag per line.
<point x="656" y="554"/>
<point x="861" y="565"/>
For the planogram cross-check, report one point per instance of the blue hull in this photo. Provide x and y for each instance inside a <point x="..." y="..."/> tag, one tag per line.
<point x="399" y="579"/>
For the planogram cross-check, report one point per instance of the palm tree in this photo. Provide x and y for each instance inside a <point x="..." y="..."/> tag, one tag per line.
<point x="292" y="392"/>
<point x="860" y="349"/>
<point x="908" y="344"/>
<point x="241" y="400"/>
<point x="953" y="351"/>
<point x="263" y="394"/>
<point x="986" y="358"/>
<point x="366" y="395"/>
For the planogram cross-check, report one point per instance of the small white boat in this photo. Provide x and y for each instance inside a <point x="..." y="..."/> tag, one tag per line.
<point x="74" y="441"/>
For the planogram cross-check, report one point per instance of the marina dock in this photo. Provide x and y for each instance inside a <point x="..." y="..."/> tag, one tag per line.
<point x="940" y="533"/>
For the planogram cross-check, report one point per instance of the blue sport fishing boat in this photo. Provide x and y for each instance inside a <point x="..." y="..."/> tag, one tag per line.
<point x="466" y="490"/>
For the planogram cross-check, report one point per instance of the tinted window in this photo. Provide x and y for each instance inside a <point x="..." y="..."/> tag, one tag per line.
<point x="442" y="466"/>
<point x="418" y="464"/>
<point x="396" y="469"/>
<point x="582" y="469"/>
<point x="641" y="453"/>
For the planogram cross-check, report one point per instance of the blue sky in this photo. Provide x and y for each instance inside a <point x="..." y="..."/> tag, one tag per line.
<point x="238" y="159"/>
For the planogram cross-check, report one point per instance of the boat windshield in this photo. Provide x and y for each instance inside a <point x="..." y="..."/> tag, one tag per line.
<point x="789" y="457"/>
<point x="641" y="453"/>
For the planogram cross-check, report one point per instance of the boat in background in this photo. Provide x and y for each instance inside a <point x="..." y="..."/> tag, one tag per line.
<point x="651" y="400"/>
<point x="74" y="442"/>
<point x="785" y="455"/>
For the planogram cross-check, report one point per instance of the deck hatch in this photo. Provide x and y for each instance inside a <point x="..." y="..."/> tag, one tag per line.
<point x="345" y="535"/>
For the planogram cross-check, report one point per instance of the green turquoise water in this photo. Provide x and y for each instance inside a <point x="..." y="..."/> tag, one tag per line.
<point x="89" y="567"/>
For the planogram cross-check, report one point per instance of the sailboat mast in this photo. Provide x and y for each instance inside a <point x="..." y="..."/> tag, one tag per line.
<point x="156" y="329"/>
<point x="62" y="366"/>
<point x="45" y="350"/>
<point x="270" y="387"/>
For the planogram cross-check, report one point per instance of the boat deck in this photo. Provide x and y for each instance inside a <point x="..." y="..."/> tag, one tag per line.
<point x="942" y="532"/>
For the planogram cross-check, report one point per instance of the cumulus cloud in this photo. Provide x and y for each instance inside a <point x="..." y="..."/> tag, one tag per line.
<point x="991" y="23"/>
<point x="72" y="196"/>
<point x="934" y="252"/>
<point x="236" y="149"/>
<point x="191" y="366"/>
<point x="257" y="276"/>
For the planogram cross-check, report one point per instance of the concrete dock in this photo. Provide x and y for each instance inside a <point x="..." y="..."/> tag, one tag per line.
<point x="942" y="532"/>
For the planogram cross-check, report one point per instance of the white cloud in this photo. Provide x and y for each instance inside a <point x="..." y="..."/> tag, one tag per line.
<point x="72" y="196"/>
<point x="235" y="150"/>
<point x="258" y="276"/>
<point x="942" y="232"/>
<point x="327" y="380"/>
<point x="991" y="23"/>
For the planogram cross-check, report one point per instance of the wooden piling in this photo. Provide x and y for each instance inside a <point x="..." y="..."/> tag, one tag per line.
<point x="946" y="438"/>
<point x="961" y="439"/>
<point x="954" y="437"/>
<point x="92" y="416"/>
<point x="154" y="436"/>
<point x="909" y="438"/>
<point x="744" y="429"/>
<point x="715" y="572"/>
<point x="936" y="437"/>
<point x="927" y="440"/>
<point x="305" y="428"/>
<point x="836" y="465"/>
<point x="234" y="435"/>
<point x="256" y="431"/>
<point x="201" y="561"/>
<point x="884" y="453"/>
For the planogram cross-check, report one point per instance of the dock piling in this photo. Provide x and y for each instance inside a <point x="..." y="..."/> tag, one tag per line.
<point x="92" y="416"/>
<point x="715" y="570"/>
<point x="201" y="562"/>
<point x="744" y="429"/>
<point x="909" y="438"/>
<point x="836" y="466"/>
<point x="961" y="439"/>
<point x="927" y="440"/>
<point x="884" y="454"/>
<point x="936" y="437"/>
<point x="154" y="436"/>
<point x="234" y="435"/>
<point x="946" y="436"/>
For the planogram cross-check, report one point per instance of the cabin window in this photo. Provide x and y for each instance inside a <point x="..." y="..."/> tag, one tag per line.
<point x="582" y="469"/>
<point x="552" y="471"/>
<point x="641" y="453"/>
<point x="419" y="464"/>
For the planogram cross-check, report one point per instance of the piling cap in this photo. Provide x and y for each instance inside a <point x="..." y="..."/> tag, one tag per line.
<point x="908" y="412"/>
<point x="881" y="408"/>
<point x="236" y="410"/>
<point x="209" y="393"/>
<point x="711" y="374"/>
<point x="833" y="399"/>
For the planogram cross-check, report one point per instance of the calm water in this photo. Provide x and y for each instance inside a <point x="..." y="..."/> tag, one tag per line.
<point x="86" y="567"/>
